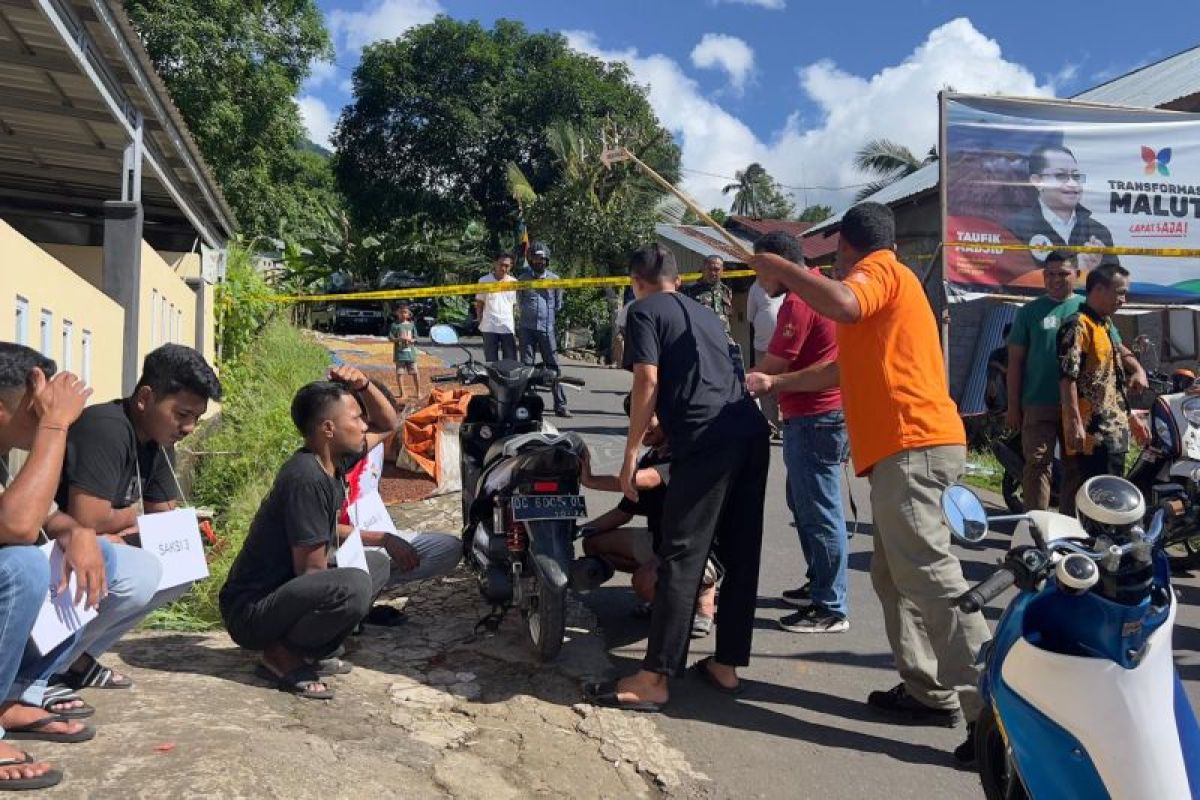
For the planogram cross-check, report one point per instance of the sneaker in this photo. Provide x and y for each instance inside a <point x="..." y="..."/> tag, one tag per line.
<point x="701" y="626"/>
<point x="964" y="754"/>
<point x="563" y="412"/>
<point x="815" y="619"/>
<point x="798" y="597"/>
<point x="899" y="704"/>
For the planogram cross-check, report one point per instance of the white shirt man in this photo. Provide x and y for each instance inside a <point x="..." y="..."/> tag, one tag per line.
<point x="495" y="312"/>
<point x="762" y="310"/>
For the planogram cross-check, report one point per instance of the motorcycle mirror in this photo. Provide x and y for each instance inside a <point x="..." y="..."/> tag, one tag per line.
<point x="443" y="334"/>
<point x="964" y="514"/>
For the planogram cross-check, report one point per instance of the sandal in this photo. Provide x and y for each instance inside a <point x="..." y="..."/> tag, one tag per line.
<point x="326" y="667"/>
<point x="97" y="676"/>
<point x="297" y="682"/>
<point x="700" y="670"/>
<point x="385" y="616"/>
<point x="51" y="777"/>
<point x="57" y="693"/>
<point x="35" y="731"/>
<point x="605" y="694"/>
<point x="701" y="626"/>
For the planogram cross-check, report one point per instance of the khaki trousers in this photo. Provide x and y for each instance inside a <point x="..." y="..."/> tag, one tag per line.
<point x="915" y="576"/>
<point x="1041" y="429"/>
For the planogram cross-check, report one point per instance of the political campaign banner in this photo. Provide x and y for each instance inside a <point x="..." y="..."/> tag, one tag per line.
<point x="1025" y="178"/>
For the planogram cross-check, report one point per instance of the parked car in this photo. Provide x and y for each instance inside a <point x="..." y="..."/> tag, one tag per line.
<point x="351" y="316"/>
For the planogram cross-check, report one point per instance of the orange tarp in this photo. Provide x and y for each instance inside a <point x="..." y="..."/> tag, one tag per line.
<point x="423" y="429"/>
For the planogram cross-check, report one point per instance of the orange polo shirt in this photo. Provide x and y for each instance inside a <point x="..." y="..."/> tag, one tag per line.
<point x="893" y="377"/>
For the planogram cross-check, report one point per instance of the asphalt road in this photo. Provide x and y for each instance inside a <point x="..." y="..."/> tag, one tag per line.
<point x="802" y="729"/>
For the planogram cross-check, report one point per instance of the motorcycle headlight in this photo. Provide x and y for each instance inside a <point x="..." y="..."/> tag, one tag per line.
<point x="522" y="413"/>
<point x="1165" y="435"/>
<point x="1191" y="410"/>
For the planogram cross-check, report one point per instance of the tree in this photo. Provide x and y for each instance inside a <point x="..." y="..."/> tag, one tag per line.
<point x="758" y="195"/>
<point x="233" y="68"/>
<point x="690" y="218"/>
<point x="816" y="213"/>
<point x="888" y="161"/>
<point x="595" y="214"/>
<point x="439" y="113"/>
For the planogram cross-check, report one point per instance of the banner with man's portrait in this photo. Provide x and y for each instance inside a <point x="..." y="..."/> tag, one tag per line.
<point x="1024" y="178"/>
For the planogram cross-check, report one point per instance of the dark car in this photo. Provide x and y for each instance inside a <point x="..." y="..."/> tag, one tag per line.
<point x="424" y="309"/>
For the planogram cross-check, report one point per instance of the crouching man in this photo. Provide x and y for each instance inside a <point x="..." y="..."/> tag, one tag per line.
<point x="284" y="596"/>
<point x="632" y="549"/>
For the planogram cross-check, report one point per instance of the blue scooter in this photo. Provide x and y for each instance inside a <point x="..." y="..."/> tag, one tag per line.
<point x="1081" y="696"/>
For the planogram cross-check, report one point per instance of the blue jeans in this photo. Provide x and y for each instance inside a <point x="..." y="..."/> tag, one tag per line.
<point x="24" y="582"/>
<point x="133" y="575"/>
<point x="813" y="449"/>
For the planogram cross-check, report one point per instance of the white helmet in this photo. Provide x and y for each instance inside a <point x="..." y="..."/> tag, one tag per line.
<point x="1108" y="502"/>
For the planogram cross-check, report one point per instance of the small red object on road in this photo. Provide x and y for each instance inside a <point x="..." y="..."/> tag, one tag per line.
<point x="165" y="747"/>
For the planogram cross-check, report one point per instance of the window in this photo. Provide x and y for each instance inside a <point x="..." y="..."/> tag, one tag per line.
<point x="68" y="345"/>
<point x="164" y="332"/>
<point x="22" y="319"/>
<point x="179" y="325"/>
<point x="47" y="344"/>
<point x="85" y="368"/>
<point x="171" y="332"/>
<point x="154" y="317"/>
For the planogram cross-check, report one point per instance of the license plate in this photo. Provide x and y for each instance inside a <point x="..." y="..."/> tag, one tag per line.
<point x="526" y="508"/>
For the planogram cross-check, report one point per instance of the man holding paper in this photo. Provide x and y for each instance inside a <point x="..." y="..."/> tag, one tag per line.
<point x="117" y="469"/>
<point x="36" y="406"/>
<point x="283" y="596"/>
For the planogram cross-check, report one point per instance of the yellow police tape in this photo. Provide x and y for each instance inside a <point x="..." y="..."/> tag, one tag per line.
<point x="480" y="288"/>
<point x="1164" y="252"/>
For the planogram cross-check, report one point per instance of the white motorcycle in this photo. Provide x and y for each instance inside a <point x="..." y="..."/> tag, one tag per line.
<point x="1168" y="473"/>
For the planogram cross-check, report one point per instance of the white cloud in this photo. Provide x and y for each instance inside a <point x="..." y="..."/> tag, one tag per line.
<point x="898" y="102"/>
<point x="322" y="72"/>
<point x="318" y="118"/>
<point x="382" y="19"/>
<point x="773" y="5"/>
<point x="729" y="53"/>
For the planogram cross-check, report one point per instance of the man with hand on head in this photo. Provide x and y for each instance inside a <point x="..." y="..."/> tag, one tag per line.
<point x="283" y="595"/>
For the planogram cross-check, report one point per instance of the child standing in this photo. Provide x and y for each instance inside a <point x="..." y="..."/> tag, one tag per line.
<point x="403" y="335"/>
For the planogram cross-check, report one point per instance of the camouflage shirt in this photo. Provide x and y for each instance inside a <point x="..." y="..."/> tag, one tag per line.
<point x="1087" y="354"/>
<point x="717" y="296"/>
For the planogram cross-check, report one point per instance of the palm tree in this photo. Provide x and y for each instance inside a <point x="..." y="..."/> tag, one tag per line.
<point x="890" y="162"/>
<point x="748" y="191"/>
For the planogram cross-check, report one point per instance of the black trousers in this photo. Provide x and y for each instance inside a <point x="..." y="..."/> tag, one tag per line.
<point x="535" y="343"/>
<point x="711" y="495"/>
<point x="311" y="614"/>
<point x="498" y="345"/>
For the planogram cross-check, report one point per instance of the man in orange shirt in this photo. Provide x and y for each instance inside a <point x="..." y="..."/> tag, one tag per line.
<point x="905" y="433"/>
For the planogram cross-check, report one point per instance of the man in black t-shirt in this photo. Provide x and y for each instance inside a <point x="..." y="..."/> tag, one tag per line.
<point x="682" y="369"/>
<point x="283" y="596"/>
<point x="118" y="466"/>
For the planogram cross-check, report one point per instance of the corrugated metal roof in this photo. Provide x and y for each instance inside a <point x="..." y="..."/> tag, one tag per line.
<point x="1153" y="85"/>
<point x="703" y="240"/>
<point x="923" y="180"/>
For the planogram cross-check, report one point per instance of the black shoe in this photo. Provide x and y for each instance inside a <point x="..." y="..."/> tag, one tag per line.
<point x="903" y="707"/>
<point x="964" y="754"/>
<point x="798" y="597"/>
<point x="563" y="412"/>
<point x="815" y="619"/>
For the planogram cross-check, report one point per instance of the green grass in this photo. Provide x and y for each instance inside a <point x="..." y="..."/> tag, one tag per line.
<point x="246" y="444"/>
<point x="983" y="470"/>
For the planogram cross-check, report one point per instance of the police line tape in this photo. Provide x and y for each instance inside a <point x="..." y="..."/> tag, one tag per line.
<point x="481" y="288"/>
<point x="1164" y="252"/>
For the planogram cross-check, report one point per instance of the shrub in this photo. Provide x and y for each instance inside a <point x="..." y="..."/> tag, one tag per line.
<point x="241" y="305"/>
<point x="241" y="451"/>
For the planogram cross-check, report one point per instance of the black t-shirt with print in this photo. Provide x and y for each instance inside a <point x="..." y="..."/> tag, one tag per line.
<point x="701" y="400"/>
<point x="104" y="459"/>
<point x="301" y="510"/>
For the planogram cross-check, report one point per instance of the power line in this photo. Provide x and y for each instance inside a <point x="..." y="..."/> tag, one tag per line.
<point x="781" y="185"/>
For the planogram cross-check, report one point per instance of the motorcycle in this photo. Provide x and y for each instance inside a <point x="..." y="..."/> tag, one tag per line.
<point x="521" y="498"/>
<point x="1168" y="471"/>
<point x="1080" y="692"/>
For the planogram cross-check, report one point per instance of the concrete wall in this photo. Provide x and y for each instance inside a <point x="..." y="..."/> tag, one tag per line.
<point x="86" y="262"/>
<point x="47" y="285"/>
<point x="185" y="265"/>
<point x="168" y="305"/>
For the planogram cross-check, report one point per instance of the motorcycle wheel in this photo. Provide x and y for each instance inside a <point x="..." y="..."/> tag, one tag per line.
<point x="1183" y="554"/>
<point x="997" y="772"/>
<point x="545" y="619"/>
<point x="1010" y="487"/>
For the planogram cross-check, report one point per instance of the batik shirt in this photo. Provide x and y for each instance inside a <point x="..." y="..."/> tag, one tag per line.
<point x="1087" y="354"/>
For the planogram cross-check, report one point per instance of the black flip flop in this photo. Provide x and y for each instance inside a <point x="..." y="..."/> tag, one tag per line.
<point x="34" y="731"/>
<point x="327" y="667"/>
<point x="700" y="670"/>
<point x="604" y="694"/>
<point x="295" y="682"/>
<point x="61" y="693"/>
<point x="385" y="616"/>
<point x="51" y="777"/>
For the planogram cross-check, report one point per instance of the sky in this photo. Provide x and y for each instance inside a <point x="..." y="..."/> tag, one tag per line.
<point x="797" y="85"/>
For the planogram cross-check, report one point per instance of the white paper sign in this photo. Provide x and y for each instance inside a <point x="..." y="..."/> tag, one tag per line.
<point x="174" y="536"/>
<point x="351" y="553"/>
<point x="58" y="617"/>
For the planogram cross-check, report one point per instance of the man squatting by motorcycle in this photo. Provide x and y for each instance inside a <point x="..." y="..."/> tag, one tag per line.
<point x="682" y="370"/>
